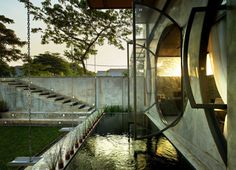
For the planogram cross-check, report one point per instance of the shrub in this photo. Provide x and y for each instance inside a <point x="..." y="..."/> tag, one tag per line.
<point x="115" y="108"/>
<point x="3" y="106"/>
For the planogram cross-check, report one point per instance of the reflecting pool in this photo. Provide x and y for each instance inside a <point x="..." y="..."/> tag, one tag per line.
<point x="111" y="148"/>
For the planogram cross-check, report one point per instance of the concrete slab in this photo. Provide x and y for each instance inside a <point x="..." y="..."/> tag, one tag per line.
<point x="24" y="161"/>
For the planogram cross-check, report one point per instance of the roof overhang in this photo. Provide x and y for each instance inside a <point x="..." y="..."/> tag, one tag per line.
<point x="110" y="4"/>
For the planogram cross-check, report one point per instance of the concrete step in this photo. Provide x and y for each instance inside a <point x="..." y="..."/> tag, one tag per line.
<point x="59" y="98"/>
<point x="67" y="100"/>
<point x="36" y="91"/>
<point x="7" y="81"/>
<point x="70" y="102"/>
<point x="31" y="88"/>
<point x="87" y="108"/>
<point x="76" y="103"/>
<point x="52" y="96"/>
<point x="44" y="93"/>
<point x="14" y="83"/>
<point x="67" y="103"/>
<point x="82" y="106"/>
<point x="20" y="86"/>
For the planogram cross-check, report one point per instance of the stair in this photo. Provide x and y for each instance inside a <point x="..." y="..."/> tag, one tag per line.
<point x="66" y="103"/>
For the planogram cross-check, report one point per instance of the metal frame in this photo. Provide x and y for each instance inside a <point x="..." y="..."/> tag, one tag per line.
<point x="182" y="85"/>
<point x="174" y="122"/>
<point x="209" y="108"/>
<point x="185" y="64"/>
<point x="162" y="12"/>
<point x="134" y="72"/>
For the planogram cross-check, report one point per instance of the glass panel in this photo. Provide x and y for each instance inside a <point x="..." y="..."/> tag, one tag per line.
<point x="193" y="56"/>
<point x="168" y="77"/>
<point x="207" y="73"/>
<point x="217" y="89"/>
<point x="218" y="57"/>
<point x="143" y="31"/>
<point x="164" y="68"/>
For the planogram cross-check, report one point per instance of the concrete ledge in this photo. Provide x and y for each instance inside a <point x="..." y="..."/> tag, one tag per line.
<point x="35" y="122"/>
<point x="44" y="115"/>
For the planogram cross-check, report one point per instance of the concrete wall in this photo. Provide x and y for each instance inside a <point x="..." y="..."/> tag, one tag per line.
<point x="100" y="90"/>
<point x="82" y="88"/>
<point x="231" y="42"/>
<point x="18" y="101"/>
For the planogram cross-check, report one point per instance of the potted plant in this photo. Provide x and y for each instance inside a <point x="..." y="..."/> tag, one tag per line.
<point x="71" y="143"/>
<point x="51" y="161"/>
<point x="54" y="157"/>
<point x="77" y="140"/>
<point x="67" y="156"/>
<point x="60" y="160"/>
<point x="60" y="164"/>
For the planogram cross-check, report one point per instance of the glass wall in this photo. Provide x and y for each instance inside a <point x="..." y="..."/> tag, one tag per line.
<point x="168" y="73"/>
<point x="161" y="41"/>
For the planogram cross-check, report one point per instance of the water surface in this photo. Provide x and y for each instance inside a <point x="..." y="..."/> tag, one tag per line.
<point x="111" y="148"/>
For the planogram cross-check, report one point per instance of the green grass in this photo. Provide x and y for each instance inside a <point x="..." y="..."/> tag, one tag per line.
<point x="14" y="142"/>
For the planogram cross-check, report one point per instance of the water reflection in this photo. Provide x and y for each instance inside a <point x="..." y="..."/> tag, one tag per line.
<point x="166" y="149"/>
<point x="116" y="151"/>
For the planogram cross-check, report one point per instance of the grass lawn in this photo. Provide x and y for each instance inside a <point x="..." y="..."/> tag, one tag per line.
<point x="14" y="142"/>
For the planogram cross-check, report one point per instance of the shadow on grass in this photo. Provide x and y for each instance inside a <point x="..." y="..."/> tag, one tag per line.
<point x="14" y="142"/>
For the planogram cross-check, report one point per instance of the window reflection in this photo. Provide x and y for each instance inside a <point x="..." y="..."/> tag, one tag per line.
<point x="168" y="74"/>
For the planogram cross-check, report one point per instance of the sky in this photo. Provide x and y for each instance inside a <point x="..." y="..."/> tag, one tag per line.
<point x="107" y="55"/>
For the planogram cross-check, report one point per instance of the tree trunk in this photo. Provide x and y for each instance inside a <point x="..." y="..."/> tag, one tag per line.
<point x="84" y="67"/>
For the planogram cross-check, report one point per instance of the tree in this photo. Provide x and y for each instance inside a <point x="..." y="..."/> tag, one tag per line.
<point x="5" y="69"/>
<point x="9" y="42"/>
<point x="47" y="64"/>
<point x="80" y="28"/>
<point x="51" y="64"/>
<point x="77" y="70"/>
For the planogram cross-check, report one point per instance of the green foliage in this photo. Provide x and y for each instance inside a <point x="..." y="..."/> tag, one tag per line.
<point x="5" y="69"/>
<point x="73" y="23"/>
<point x="125" y="73"/>
<point x="47" y="64"/>
<point x="3" y="106"/>
<point x="115" y="108"/>
<point x="51" y="64"/>
<point x="15" y="142"/>
<point x="77" y="70"/>
<point x="9" y="42"/>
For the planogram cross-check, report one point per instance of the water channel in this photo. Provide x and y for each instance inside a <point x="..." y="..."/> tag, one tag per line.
<point x="110" y="148"/>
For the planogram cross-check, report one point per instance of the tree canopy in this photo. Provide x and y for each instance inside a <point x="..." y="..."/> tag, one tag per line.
<point x="51" y="64"/>
<point x="47" y="64"/>
<point x="80" y="28"/>
<point x="9" y="42"/>
<point x="5" y="69"/>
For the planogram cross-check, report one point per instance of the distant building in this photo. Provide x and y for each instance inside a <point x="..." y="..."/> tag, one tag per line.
<point x="113" y="72"/>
